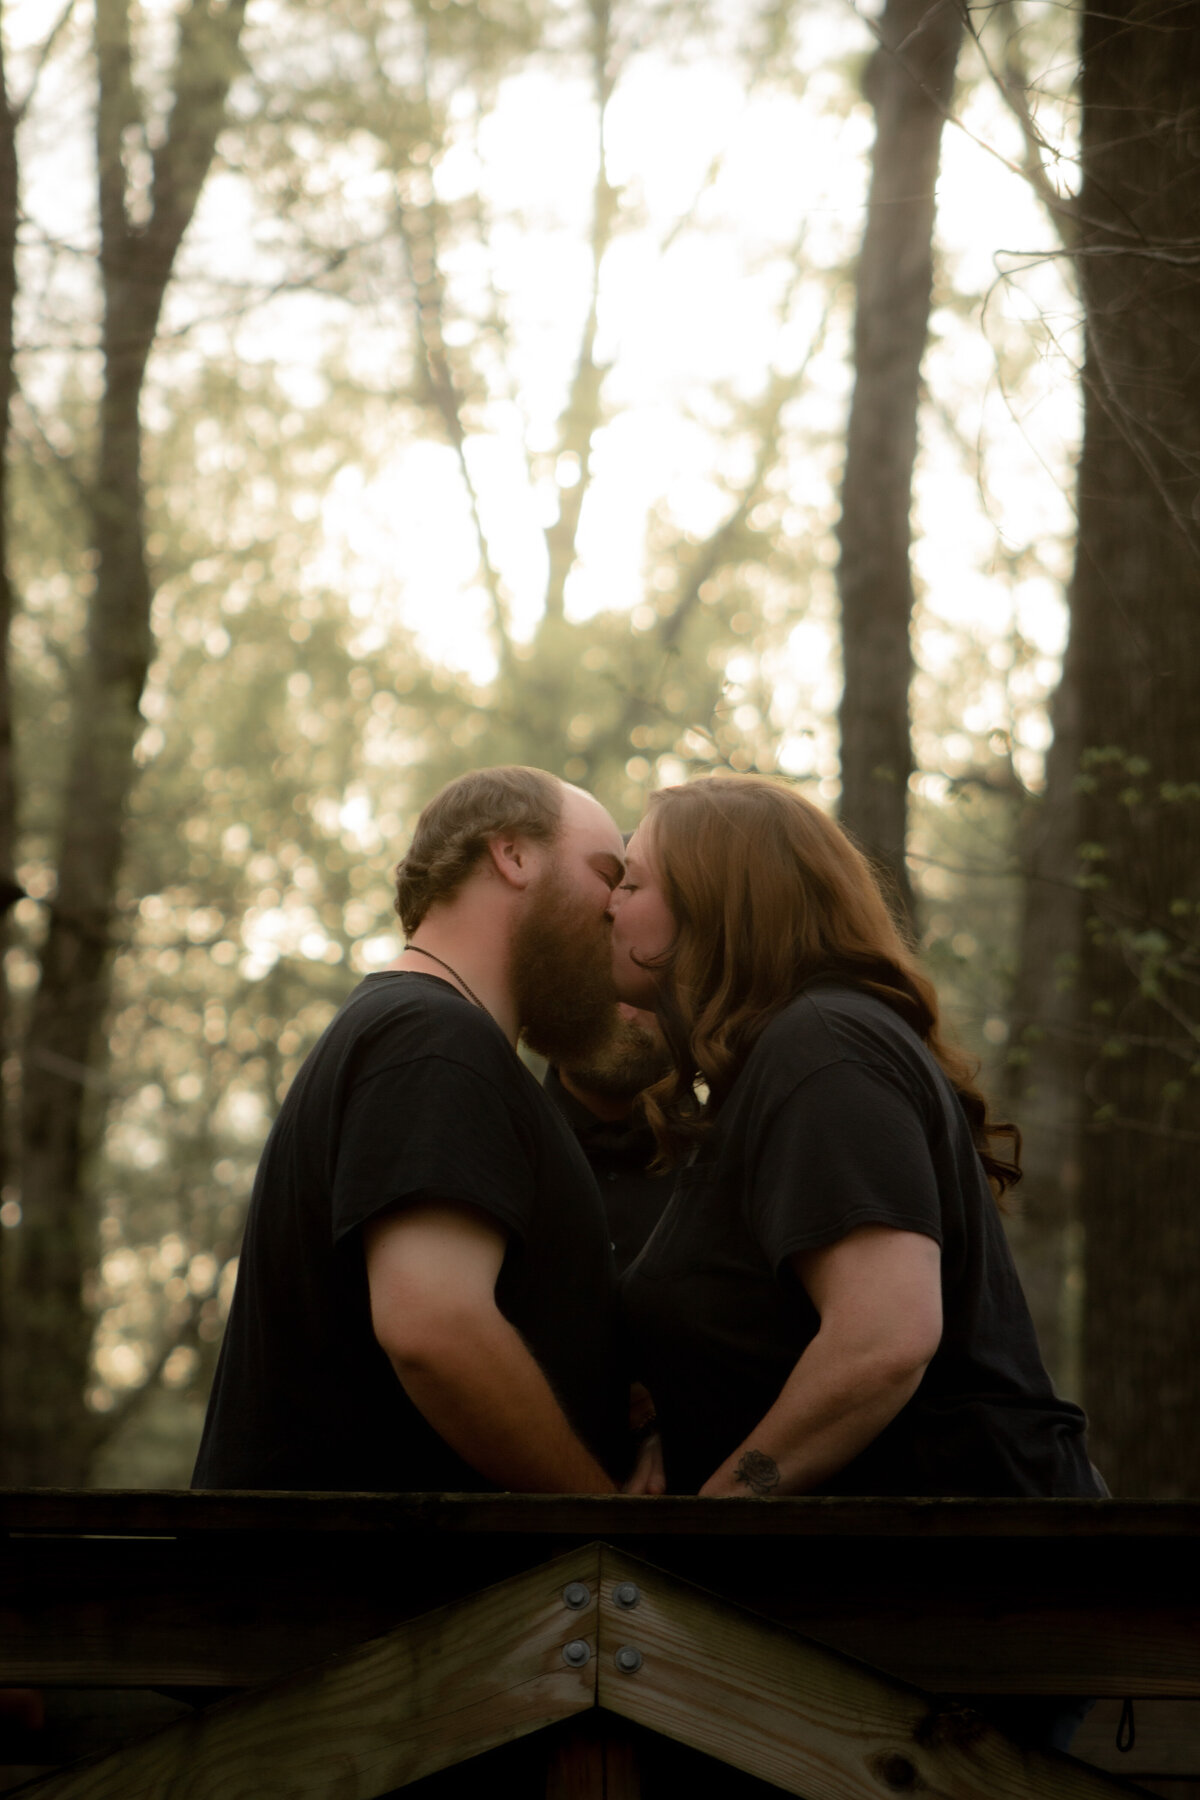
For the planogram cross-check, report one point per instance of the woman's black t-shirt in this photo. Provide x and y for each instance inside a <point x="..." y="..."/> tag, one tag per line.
<point x="841" y="1118"/>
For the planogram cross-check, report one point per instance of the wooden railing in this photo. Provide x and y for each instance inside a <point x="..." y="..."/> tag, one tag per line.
<point x="122" y="1613"/>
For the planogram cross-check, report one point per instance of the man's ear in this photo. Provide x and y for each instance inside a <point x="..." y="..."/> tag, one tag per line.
<point x="514" y="859"/>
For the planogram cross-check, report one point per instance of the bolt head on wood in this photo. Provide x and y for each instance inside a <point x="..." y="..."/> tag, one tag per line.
<point x="576" y="1595"/>
<point x="627" y="1593"/>
<point x="628" y="1659"/>
<point x="576" y="1653"/>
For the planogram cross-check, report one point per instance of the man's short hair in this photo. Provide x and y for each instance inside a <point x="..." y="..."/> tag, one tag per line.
<point x="455" y="828"/>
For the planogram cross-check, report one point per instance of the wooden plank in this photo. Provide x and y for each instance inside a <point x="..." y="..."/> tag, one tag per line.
<point x="797" y="1714"/>
<point x="447" y="1686"/>
<point x="217" y="1610"/>
<point x="69" y="1723"/>
<point x="210" y="1611"/>
<point x="592" y="1757"/>
<point x="1093" y="1650"/>
<point x="134" y="1513"/>
<point x="219" y="1613"/>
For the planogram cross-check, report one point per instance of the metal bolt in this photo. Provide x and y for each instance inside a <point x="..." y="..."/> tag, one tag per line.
<point x="627" y="1594"/>
<point x="628" y="1659"/>
<point x="576" y="1653"/>
<point x="576" y="1595"/>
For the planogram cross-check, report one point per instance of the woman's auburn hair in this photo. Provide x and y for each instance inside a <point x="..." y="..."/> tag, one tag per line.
<point x="768" y="894"/>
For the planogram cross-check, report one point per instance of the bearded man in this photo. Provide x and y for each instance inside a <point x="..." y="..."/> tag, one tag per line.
<point x="426" y="1296"/>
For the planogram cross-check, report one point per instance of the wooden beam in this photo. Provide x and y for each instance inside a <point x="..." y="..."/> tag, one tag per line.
<point x="147" y="1513"/>
<point x="591" y="1757"/>
<point x="464" y="1679"/>
<point x="956" y="1615"/>
<point x="798" y="1714"/>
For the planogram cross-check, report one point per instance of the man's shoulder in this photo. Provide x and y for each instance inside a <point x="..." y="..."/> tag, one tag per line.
<point x="394" y="1019"/>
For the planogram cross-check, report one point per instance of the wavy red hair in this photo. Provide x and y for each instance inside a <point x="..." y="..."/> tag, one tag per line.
<point x="768" y="894"/>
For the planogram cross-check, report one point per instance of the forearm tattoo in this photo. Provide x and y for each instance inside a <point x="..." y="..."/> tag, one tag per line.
<point x="758" y="1472"/>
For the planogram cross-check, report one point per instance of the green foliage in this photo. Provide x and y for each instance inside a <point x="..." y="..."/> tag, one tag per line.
<point x="293" y="723"/>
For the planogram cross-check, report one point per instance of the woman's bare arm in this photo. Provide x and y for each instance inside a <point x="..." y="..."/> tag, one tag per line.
<point x="878" y="1292"/>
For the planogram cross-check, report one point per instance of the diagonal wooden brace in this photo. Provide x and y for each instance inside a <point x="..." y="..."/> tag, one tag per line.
<point x="793" y="1712"/>
<point x="441" y="1688"/>
<point x="592" y="1629"/>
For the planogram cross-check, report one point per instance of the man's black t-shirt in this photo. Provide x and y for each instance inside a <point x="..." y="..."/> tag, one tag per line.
<point x="619" y="1153"/>
<point x="411" y="1094"/>
<point x="840" y="1118"/>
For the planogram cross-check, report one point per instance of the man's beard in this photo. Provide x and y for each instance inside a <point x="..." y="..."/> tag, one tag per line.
<point x="562" y="973"/>
<point x="630" y="1057"/>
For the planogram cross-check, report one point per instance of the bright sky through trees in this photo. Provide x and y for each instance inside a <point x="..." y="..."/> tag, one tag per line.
<point x="721" y="193"/>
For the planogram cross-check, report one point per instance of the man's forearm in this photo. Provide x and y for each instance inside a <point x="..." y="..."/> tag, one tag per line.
<point x="481" y="1390"/>
<point x="828" y="1411"/>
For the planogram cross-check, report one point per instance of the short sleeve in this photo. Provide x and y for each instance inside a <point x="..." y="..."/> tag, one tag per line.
<point x="432" y="1129"/>
<point x="847" y="1147"/>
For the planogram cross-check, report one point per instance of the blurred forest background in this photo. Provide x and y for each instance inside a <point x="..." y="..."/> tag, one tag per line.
<point x="398" y="386"/>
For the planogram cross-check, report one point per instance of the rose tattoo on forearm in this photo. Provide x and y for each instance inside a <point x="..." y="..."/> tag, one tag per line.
<point x="758" y="1472"/>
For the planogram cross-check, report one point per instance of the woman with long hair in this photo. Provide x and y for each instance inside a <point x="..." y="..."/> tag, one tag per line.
<point x="828" y="1303"/>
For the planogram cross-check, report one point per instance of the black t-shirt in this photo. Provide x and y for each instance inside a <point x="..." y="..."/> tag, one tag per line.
<point x="841" y="1118"/>
<point x="411" y="1094"/>
<point x="619" y="1152"/>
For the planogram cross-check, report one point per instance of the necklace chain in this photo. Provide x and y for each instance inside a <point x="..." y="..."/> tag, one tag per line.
<point x="441" y="961"/>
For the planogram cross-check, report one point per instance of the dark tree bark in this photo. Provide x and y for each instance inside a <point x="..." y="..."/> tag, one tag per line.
<point x="49" y="1435"/>
<point x="9" y="890"/>
<point x="1044" y="1077"/>
<point x="909" y="82"/>
<point x="1135" y="660"/>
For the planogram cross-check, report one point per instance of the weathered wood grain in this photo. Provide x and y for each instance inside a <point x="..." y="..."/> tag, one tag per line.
<point x="456" y="1682"/>
<point x="801" y="1716"/>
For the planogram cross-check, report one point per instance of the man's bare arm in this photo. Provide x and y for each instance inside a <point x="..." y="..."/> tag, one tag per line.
<point x="432" y="1272"/>
<point x="878" y="1292"/>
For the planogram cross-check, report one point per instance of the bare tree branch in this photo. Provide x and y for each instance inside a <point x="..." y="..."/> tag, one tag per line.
<point x="579" y="422"/>
<point x="44" y="54"/>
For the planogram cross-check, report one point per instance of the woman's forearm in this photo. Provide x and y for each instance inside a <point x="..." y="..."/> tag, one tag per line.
<point x="833" y="1404"/>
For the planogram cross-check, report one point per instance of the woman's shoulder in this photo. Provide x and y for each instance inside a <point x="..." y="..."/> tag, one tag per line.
<point x="833" y="1023"/>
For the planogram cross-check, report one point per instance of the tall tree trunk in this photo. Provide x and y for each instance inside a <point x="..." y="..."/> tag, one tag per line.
<point x="50" y="1442"/>
<point x="1045" y="1071"/>
<point x="909" y="82"/>
<point x="9" y="891"/>
<point x="1136" y="649"/>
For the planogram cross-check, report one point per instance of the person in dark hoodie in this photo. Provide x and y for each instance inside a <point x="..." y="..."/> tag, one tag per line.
<point x="597" y="1096"/>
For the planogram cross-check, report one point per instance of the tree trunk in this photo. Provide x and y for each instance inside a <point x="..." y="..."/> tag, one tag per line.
<point x="51" y="1439"/>
<point x="9" y="891"/>
<point x="909" y="82"/>
<point x="1136" y="646"/>
<point x="1045" y="1072"/>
